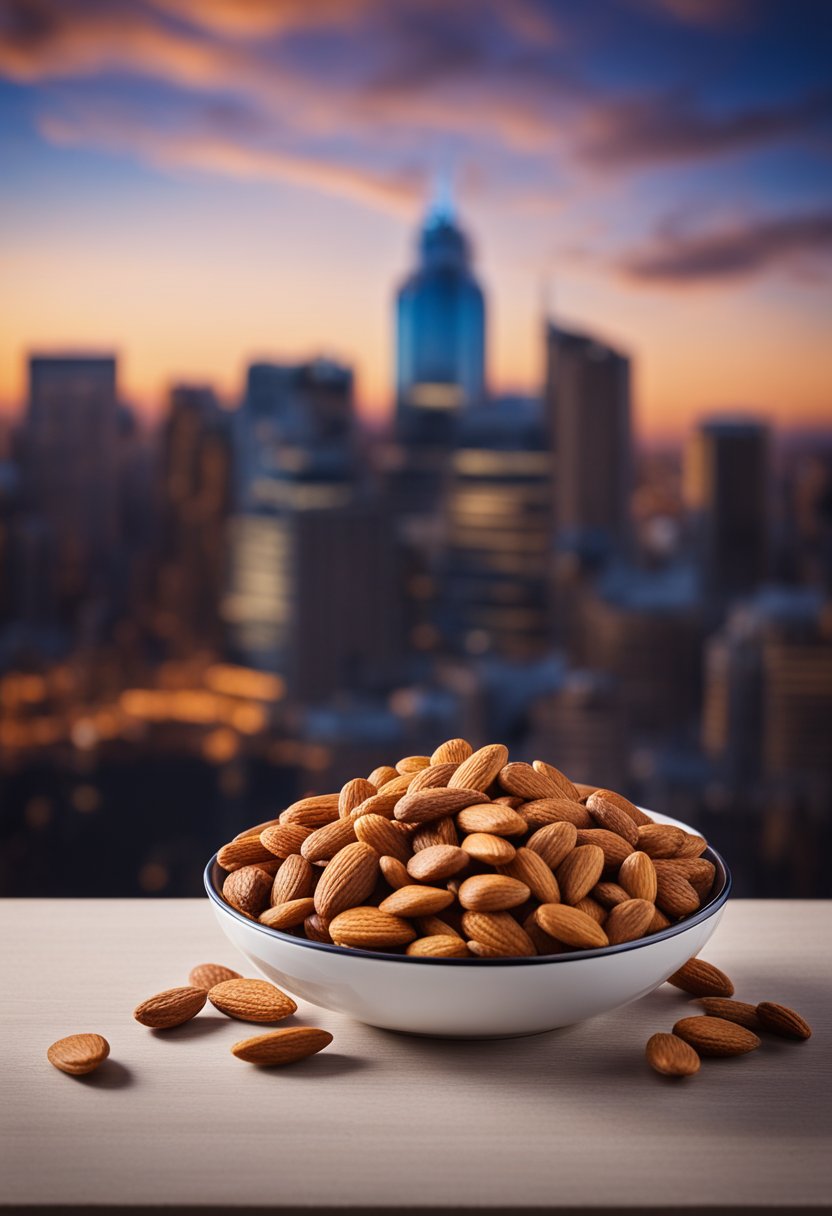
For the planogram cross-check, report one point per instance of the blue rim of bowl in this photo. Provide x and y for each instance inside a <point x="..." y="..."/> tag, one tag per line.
<point x="710" y="908"/>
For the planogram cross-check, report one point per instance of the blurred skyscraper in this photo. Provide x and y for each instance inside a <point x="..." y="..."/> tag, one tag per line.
<point x="440" y="332"/>
<point x="727" y="487"/>
<point x="588" y="406"/>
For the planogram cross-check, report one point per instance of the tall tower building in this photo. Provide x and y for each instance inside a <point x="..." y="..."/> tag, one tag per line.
<point x="588" y="405"/>
<point x="440" y="330"/>
<point x="726" y="486"/>
<point x="70" y="468"/>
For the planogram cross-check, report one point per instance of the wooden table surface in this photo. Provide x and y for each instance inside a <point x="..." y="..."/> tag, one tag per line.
<point x="568" y="1121"/>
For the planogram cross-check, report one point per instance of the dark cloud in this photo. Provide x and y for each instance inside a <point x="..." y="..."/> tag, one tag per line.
<point x="732" y="253"/>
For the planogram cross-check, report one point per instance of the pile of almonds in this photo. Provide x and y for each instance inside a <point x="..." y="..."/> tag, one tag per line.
<point x="726" y="1028"/>
<point x="462" y="854"/>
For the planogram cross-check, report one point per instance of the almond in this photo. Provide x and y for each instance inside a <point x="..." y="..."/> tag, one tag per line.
<point x="417" y="900"/>
<point x="370" y="929"/>
<point x="435" y="926"/>
<point x="412" y="764"/>
<point x="316" y="928"/>
<point x="383" y="836"/>
<point x="671" y="1056"/>
<point x="347" y="880"/>
<point x="284" y="839"/>
<point x="251" y="1001"/>
<point x="609" y="894"/>
<point x="614" y="847"/>
<point x="507" y="800"/>
<point x="698" y="871"/>
<point x="435" y="776"/>
<point x="492" y="850"/>
<point x="637" y="875"/>
<point x="676" y="896"/>
<point x="571" y="926"/>
<point x="325" y="842"/>
<point x="543" y="943"/>
<point x="282" y="1046"/>
<point x="399" y="784"/>
<point x="294" y="880"/>
<point x="715" y="1037"/>
<point x="692" y="847"/>
<point x="394" y="872"/>
<point x="377" y="804"/>
<point x="480" y="769"/>
<point x="578" y="873"/>
<point x="783" y="1021"/>
<point x="530" y="868"/>
<point x="312" y="812"/>
<point x="353" y="793"/>
<point x="592" y="908"/>
<point x="555" y="810"/>
<point x="289" y="914"/>
<point x="438" y="946"/>
<point x="381" y="775"/>
<point x="565" y="787"/>
<point x="438" y="861"/>
<point x="492" y="893"/>
<point x="426" y="805"/>
<point x="440" y="831"/>
<point x="497" y="932"/>
<point x="732" y="1011"/>
<point x="611" y="817"/>
<point x="553" y="842"/>
<point x="525" y="782"/>
<point x="206" y="975"/>
<point x="171" y="1007"/>
<point x="660" y="839"/>
<point x="701" y="979"/>
<point x="658" y="922"/>
<point x="629" y="808"/>
<point x="628" y="921"/>
<point x="248" y="890"/>
<point x="78" y="1054"/>
<point x="246" y="851"/>
<point x="452" y="751"/>
<point x="492" y="818"/>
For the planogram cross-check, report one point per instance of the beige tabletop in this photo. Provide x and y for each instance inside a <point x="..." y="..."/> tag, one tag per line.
<point x="568" y="1121"/>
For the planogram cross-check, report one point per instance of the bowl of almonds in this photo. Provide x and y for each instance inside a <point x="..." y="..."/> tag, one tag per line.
<point x="463" y="894"/>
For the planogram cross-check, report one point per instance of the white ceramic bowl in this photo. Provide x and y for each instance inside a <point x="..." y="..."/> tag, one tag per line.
<point x="470" y="998"/>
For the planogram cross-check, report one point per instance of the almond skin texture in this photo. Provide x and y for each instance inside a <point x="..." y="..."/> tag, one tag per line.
<point x="492" y="893"/>
<point x="316" y="929"/>
<point x="660" y="839"/>
<point x="571" y="926"/>
<point x="381" y="775"/>
<point x="732" y="1011"/>
<point x="412" y="764"/>
<point x="394" y="872"/>
<point x="701" y="979"/>
<point x="677" y="898"/>
<point x="609" y="894"/>
<point x="614" y="847"/>
<point x="78" y="1054"/>
<point x="289" y="914"/>
<point x="172" y="1007"/>
<point x="440" y="831"/>
<point x="417" y="900"/>
<point x="398" y="785"/>
<point x="312" y="812"/>
<point x="347" y="880"/>
<point x="425" y="805"/>
<point x="628" y="921"/>
<point x="526" y="782"/>
<point x="492" y="850"/>
<point x="716" y="1037"/>
<point x="435" y="776"/>
<point x="370" y="929"/>
<point x="383" y="836"/>
<point x="438" y="861"/>
<point x="431" y="926"/>
<point x="352" y="794"/>
<point x="284" y="839"/>
<point x="565" y="788"/>
<point x="480" y="769"/>
<point x="579" y="872"/>
<point x="294" y="880"/>
<point x="530" y="868"/>
<point x="438" y="946"/>
<point x="671" y="1056"/>
<point x="783" y="1021"/>
<point x="246" y="851"/>
<point x="692" y="846"/>
<point x="553" y="842"/>
<point x="251" y="1001"/>
<point x="637" y="875"/>
<point x="206" y="975"/>
<point x="492" y="818"/>
<point x="612" y="818"/>
<point x="325" y="842"/>
<point x="592" y="908"/>
<point x="555" y="810"/>
<point x="498" y="933"/>
<point x="452" y="751"/>
<point x="282" y="1046"/>
<point x="629" y="808"/>
<point x="248" y="890"/>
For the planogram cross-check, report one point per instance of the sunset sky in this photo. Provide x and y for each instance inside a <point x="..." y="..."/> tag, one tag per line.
<point x="194" y="183"/>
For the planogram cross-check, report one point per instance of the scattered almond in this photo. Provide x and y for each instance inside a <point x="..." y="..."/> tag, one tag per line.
<point x="783" y="1021"/>
<point x="715" y="1037"/>
<point x="171" y="1007"/>
<point x="78" y="1054"/>
<point x="282" y="1046"/>
<point x="251" y="1001"/>
<point x="671" y="1056"/>
<point x="206" y="975"/>
<point x="701" y="979"/>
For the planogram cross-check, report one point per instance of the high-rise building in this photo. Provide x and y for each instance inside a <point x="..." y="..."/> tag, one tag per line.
<point x="495" y="569"/>
<point x="440" y="333"/>
<point x="727" y="486"/>
<point x="588" y="405"/>
<point x="70" y="457"/>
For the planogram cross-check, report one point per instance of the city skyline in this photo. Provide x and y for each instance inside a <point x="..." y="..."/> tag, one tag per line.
<point x="243" y="182"/>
